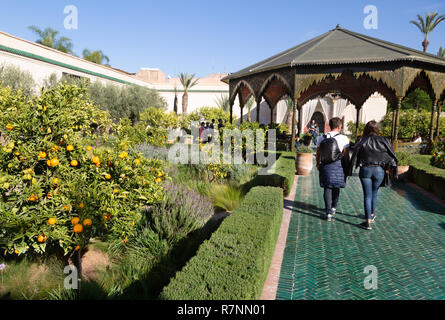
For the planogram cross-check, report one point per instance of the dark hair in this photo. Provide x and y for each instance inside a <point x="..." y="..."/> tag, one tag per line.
<point x="371" y="127"/>
<point x="335" y="123"/>
<point x="307" y="139"/>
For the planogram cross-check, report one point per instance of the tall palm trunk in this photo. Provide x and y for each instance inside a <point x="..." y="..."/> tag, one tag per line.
<point x="425" y="44"/>
<point x="185" y="102"/>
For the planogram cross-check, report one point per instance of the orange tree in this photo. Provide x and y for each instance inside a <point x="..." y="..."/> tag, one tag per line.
<point x="57" y="191"/>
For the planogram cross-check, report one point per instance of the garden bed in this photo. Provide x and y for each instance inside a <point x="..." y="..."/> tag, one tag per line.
<point x="428" y="177"/>
<point x="233" y="264"/>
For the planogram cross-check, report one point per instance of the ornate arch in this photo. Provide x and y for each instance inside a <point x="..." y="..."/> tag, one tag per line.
<point x="242" y="85"/>
<point x="422" y="81"/>
<point x="270" y="80"/>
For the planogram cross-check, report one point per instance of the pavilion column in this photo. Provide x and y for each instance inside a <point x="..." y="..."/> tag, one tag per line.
<point x="393" y="122"/>
<point x="300" y="116"/>
<point x="357" y="121"/>
<point x="439" y="109"/>
<point x="258" y="105"/>
<point x="395" y="142"/>
<point x="231" y="112"/>
<point x="241" y="106"/>
<point x="432" y="121"/>
<point x="292" y="143"/>
<point x="272" y="107"/>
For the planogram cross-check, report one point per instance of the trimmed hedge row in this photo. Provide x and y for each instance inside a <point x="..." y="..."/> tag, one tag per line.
<point x="282" y="176"/>
<point x="233" y="264"/>
<point x="422" y="173"/>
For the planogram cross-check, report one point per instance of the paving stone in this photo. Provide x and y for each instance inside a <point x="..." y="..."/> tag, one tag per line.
<point x="327" y="260"/>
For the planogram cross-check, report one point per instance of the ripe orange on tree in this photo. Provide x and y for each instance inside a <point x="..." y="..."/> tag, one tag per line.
<point x="77" y="228"/>
<point x="87" y="222"/>
<point x="42" y="154"/>
<point x="42" y="238"/>
<point x="74" y="163"/>
<point x="89" y="148"/>
<point x="75" y="220"/>
<point x="9" y="126"/>
<point x="70" y="147"/>
<point x="52" y="221"/>
<point x="108" y="176"/>
<point x="95" y="159"/>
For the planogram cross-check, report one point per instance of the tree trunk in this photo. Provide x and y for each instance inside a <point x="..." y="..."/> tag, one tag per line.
<point x="175" y="104"/>
<point x="432" y="122"/>
<point x="425" y="44"/>
<point x="185" y="101"/>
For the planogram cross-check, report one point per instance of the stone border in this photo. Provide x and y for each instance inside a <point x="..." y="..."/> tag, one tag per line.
<point x="271" y="285"/>
<point x="427" y="193"/>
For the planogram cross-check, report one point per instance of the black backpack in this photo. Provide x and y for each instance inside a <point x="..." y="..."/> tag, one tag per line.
<point x="329" y="151"/>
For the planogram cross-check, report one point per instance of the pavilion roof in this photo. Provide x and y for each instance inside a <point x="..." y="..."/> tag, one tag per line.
<point x="339" y="46"/>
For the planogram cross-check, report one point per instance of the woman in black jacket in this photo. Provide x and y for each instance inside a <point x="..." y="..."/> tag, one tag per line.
<point x="374" y="155"/>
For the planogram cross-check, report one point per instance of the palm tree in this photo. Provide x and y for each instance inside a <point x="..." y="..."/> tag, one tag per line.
<point x="223" y="102"/>
<point x="427" y="25"/>
<point x="441" y="52"/>
<point x="289" y="111"/>
<point x="49" y="37"/>
<point x="96" y="56"/>
<point x="188" y="81"/>
<point x="249" y="105"/>
<point x="175" y="102"/>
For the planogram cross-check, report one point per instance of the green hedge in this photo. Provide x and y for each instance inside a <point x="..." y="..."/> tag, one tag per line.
<point x="422" y="173"/>
<point x="282" y="177"/>
<point x="233" y="264"/>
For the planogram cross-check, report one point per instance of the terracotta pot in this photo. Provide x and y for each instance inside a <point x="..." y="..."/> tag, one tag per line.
<point x="305" y="163"/>
<point x="402" y="172"/>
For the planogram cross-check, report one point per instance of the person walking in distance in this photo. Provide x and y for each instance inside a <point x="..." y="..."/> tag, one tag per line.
<point x="332" y="162"/>
<point x="375" y="157"/>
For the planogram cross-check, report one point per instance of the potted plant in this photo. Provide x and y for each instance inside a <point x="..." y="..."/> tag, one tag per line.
<point x="403" y="159"/>
<point x="305" y="161"/>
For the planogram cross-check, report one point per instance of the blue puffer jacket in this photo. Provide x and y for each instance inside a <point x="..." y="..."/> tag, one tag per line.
<point x="332" y="175"/>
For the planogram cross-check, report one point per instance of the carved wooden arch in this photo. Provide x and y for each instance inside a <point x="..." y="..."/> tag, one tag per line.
<point x="355" y="87"/>
<point x="246" y="91"/>
<point x="275" y="78"/>
<point x="422" y="81"/>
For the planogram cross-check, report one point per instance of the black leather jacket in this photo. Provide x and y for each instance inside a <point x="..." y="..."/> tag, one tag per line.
<point x="373" y="150"/>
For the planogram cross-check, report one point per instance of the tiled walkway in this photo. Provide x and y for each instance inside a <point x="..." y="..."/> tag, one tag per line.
<point x="327" y="260"/>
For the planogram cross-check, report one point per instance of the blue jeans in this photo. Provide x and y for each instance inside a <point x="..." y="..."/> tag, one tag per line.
<point x="371" y="179"/>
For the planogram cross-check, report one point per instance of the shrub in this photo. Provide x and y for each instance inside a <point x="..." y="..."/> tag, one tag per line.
<point x="49" y="176"/>
<point x="225" y="197"/>
<point x="207" y="114"/>
<point x="233" y="264"/>
<point x="181" y="212"/>
<point x="16" y="79"/>
<point x="403" y="158"/>
<point x="304" y="149"/>
<point x="281" y="176"/>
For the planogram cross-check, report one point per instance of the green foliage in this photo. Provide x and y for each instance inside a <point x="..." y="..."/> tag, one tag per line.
<point x="417" y="100"/>
<point x="95" y="56"/>
<point x="16" y="79"/>
<point x="412" y="121"/>
<point x="241" y="250"/>
<point x="403" y="158"/>
<point x="157" y="124"/>
<point x="428" y="176"/>
<point x="206" y="114"/>
<point x="351" y="127"/>
<point x="48" y="171"/>
<point x="49" y="37"/>
<point x="225" y="197"/>
<point x="126" y="101"/>
<point x="281" y="176"/>
<point x="438" y="159"/>
<point x="304" y="149"/>
<point x="280" y="127"/>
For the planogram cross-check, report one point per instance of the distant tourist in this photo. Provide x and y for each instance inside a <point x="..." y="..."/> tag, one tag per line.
<point x="220" y="124"/>
<point x="332" y="161"/>
<point x="297" y="142"/>
<point x="212" y="125"/>
<point x="417" y="138"/>
<point x="374" y="155"/>
<point x="201" y="129"/>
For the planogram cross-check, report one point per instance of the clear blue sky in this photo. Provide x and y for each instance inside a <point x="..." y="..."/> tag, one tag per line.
<point x="205" y="36"/>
